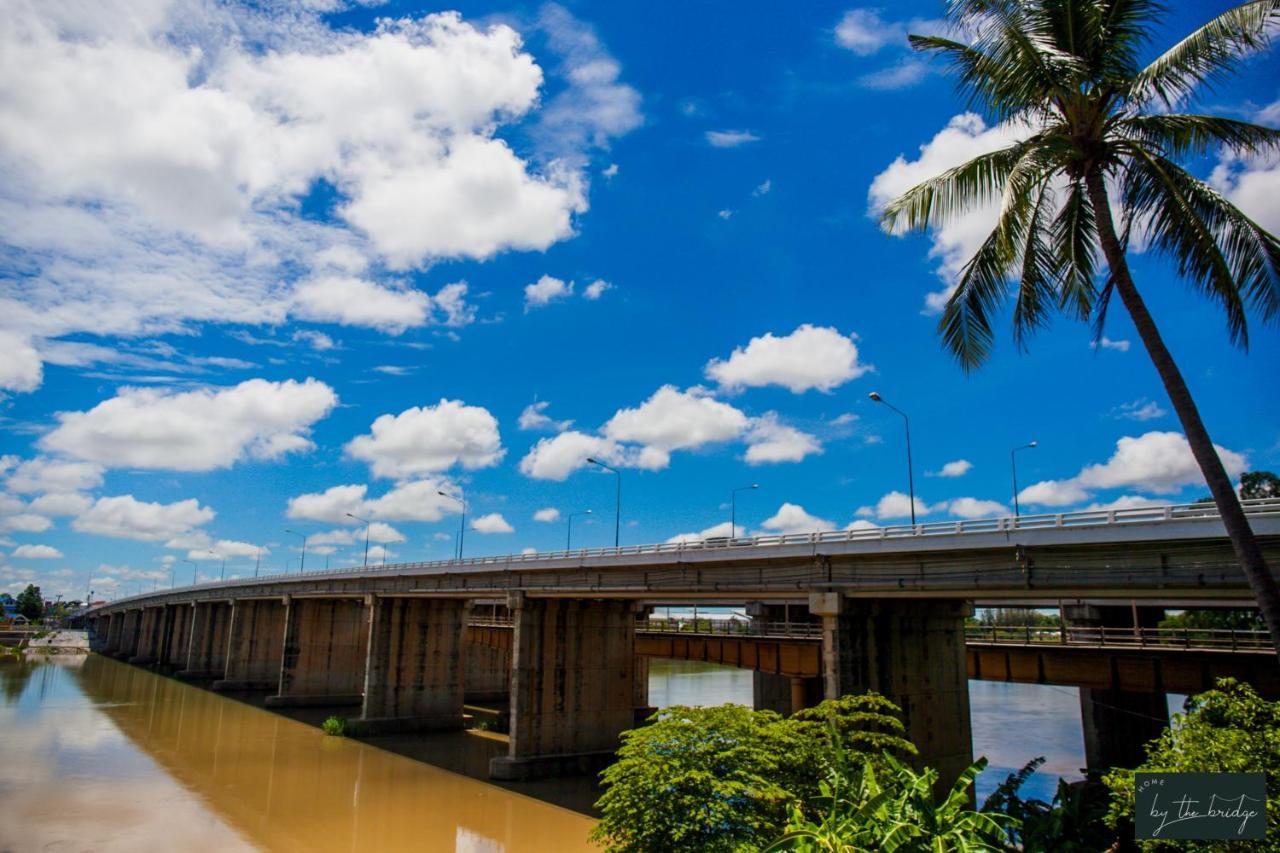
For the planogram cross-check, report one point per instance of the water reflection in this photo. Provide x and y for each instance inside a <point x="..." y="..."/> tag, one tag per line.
<point x="100" y="754"/>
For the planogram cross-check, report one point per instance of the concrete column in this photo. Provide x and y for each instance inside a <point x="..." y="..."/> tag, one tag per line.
<point x="415" y="676"/>
<point x="149" y="633"/>
<point x="572" y="686"/>
<point x="1118" y="723"/>
<point x="324" y="650"/>
<point x="103" y="633"/>
<point x="206" y="652"/>
<point x="488" y="675"/>
<point x="911" y="652"/>
<point x="177" y="636"/>
<point x="255" y="644"/>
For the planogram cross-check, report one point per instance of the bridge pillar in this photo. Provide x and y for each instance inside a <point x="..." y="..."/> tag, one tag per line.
<point x="1118" y="723"/>
<point x="255" y="643"/>
<point x="150" y="629"/>
<point x="572" y="686"/>
<point x="177" y="631"/>
<point x="488" y="675"/>
<point x="206" y="651"/>
<point x="414" y="679"/>
<point x="325" y="646"/>
<point x="106" y="626"/>
<point x="911" y="652"/>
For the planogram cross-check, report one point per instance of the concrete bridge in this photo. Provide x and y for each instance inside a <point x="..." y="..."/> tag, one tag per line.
<point x="890" y="605"/>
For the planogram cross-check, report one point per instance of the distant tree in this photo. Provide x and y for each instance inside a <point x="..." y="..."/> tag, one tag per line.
<point x="31" y="603"/>
<point x="1259" y="484"/>
<point x="6" y="598"/>
<point x="1222" y="620"/>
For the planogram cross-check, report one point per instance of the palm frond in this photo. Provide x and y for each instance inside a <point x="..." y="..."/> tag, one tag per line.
<point x="1038" y="274"/>
<point x="1121" y="28"/>
<point x="1180" y="135"/>
<point x="1208" y="53"/>
<point x="944" y="197"/>
<point x="1075" y="241"/>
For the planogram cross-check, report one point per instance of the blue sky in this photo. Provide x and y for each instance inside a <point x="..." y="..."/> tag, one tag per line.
<point x="264" y="267"/>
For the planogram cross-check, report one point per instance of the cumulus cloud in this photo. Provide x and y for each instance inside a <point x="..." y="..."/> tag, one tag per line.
<point x="966" y="136"/>
<point x="350" y="301"/>
<point x="958" y="468"/>
<point x="810" y="357"/>
<point x="1252" y="183"/>
<point x="194" y="430"/>
<point x="1141" y="409"/>
<point x="894" y="505"/>
<point x="227" y="549"/>
<point x="492" y="523"/>
<point x="866" y="32"/>
<point x="36" y="552"/>
<point x="427" y="439"/>
<point x="792" y="518"/>
<point x="673" y="420"/>
<point x="152" y="160"/>
<point x="43" y="475"/>
<point x="67" y="503"/>
<point x="418" y="500"/>
<point x="535" y="417"/>
<point x="1160" y="462"/>
<point x="547" y="514"/>
<point x="126" y="517"/>
<point x="730" y="138"/>
<point x="557" y="457"/>
<point x="596" y="289"/>
<point x="546" y="290"/>
<point x="769" y="440"/>
<point x="1106" y="343"/>
<point x="723" y="530"/>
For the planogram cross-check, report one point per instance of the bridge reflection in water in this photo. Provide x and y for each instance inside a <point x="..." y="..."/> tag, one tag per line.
<point x="277" y="783"/>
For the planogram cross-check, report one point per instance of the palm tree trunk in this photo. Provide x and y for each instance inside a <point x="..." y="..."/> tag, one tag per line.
<point x="1224" y="495"/>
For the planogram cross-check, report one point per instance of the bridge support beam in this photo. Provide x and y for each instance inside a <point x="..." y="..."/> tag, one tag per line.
<point x="109" y="635"/>
<point x="414" y="677"/>
<point x="912" y="652"/>
<point x="150" y="632"/>
<point x="572" y="686"/>
<point x="1118" y="723"/>
<point x="255" y="644"/>
<point x="206" y="652"/>
<point x="325" y="646"/>
<point x="488" y="673"/>
<point x="177" y="636"/>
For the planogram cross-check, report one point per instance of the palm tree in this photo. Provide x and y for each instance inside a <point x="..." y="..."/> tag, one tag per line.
<point x="1096" y="164"/>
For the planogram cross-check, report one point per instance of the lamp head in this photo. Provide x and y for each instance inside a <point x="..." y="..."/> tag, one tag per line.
<point x="755" y="485"/>
<point x="586" y="512"/>
<point x="875" y="395"/>
<point x="1032" y="444"/>
<point x="593" y="460"/>
<point x="442" y="494"/>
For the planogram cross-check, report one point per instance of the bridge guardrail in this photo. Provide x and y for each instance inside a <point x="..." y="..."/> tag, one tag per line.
<point x="1211" y="639"/>
<point x="1007" y="524"/>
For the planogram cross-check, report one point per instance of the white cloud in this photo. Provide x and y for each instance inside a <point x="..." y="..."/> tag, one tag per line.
<point x="894" y="505"/>
<point x="792" y="518"/>
<point x="1124" y="502"/>
<point x="723" y="530"/>
<point x="153" y="160"/>
<point x="1157" y="461"/>
<point x="1253" y="183"/>
<point x="36" y="552"/>
<point x="427" y="439"/>
<point x="43" y="475"/>
<point x="226" y="549"/>
<point x="958" y="468"/>
<point x="25" y="522"/>
<point x="610" y="171"/>
<point x="351" y="301"/>
<point x="725" y="213"/>
<point x="975" y="508"/>
<point x="419" y="500"/>
<point x="768" y="440"/>
<point x="492" y="523"/>
<point x="730" y="138"/>
<point x="902" y="75"/>
<point x="20" y="368"/>
<point x="557" y="457"/>
<point x="194" y="430"/>
<point x="380" y="553"/>
<point x="596" y="289"/>
<point x="547" y="514"/>
<point x="966" y="136"/>
<point x="126" y="517"/>
<point x="864" y="32"/>
<point x="535" y="417"/>
<point x="65" y="503"/>
<point x="762" y="188"/>
<point x="674" y="420"/>
<point x="1140" y="410"/>
<point x="380" y="532"/>
<point x="1106" y="343"/>
<point x="546" y="290"/>
<point x="331" y="505"/>
<point x="318" y="341"/>
<point x="810" y="357"/>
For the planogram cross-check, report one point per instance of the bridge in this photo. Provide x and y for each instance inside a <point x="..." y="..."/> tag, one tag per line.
<point x="889" y="605"/>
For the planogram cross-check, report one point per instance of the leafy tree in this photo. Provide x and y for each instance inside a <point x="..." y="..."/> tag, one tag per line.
<point x="1221" y="620"/>
<point x="30" y="602"/>
<point x="6" y="598"/>
<point x="1259" y="484"/>
<point x="1229" y="729"/>
<point x="862" y="814"/>
<point x="1072" y="823"/>
<point x="1103" y="135"/>
<point x="725" y="778"/>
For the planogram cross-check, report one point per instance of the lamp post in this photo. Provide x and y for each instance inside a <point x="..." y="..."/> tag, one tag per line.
<point x="617" y="501"/>
<point x="462" y="523"/>
<point x="1013" y="464"/>
<point x="568" y="537"/>
<point x="302" y="565"/>
<point x="911" y="483"/>
<point x="733" y="508"/>
<point x="257" y="564"/>
<point x="366" y="537"/>
<point x="216" y="555"/>
<point x="195" y="571"/>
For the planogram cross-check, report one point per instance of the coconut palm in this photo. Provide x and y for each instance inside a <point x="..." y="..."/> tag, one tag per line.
<point x="1097" y="163"/>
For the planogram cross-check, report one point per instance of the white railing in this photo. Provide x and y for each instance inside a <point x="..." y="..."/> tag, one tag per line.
<point x="1264" y="507"/>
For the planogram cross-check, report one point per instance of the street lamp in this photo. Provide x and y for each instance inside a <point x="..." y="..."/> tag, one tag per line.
<point x="733" y="508"/>
<point x="302" y="565"/>
<point x="366" y="538"/>
<point x="1013" y="463"/>
<point x="462" y="523"/>
<point x="617" y="501"/>
<point x="195" y="571"/>
<point x="257" y="564"/>
<point x="568" y="537"/>
<point x="911" y="484"/>
<point x="215" y="554"/>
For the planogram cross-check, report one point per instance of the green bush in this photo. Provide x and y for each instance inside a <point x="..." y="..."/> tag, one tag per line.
<point x="1072" y="823"/>
<point x="1229" y="729"/>
<point x="335" y="726"/>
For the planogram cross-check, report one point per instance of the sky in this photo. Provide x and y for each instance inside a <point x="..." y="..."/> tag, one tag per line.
<point x="294" y="269"/>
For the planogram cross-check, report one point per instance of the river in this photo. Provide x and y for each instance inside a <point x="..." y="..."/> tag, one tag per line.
<point x="105" y="756"/>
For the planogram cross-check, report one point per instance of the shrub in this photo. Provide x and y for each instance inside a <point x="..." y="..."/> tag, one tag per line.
<point x="335" y="726"/>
